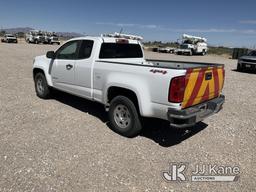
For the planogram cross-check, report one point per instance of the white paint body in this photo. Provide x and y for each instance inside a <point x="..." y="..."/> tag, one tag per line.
<point x="91" y="78"/>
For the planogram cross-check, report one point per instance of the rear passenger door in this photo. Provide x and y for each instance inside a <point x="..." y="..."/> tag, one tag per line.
<point x="83" y="71"/>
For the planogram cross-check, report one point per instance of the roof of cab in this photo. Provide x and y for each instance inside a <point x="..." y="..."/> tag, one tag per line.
<point x="104" y="39"/>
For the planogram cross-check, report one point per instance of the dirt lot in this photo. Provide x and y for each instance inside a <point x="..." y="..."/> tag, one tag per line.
<point x="64" y="144"/>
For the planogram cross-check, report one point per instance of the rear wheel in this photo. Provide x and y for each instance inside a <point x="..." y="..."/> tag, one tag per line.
<point x="41" y="86"/>
<point x="123" y="116"/>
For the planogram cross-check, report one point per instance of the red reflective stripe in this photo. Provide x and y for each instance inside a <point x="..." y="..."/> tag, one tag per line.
<point x="189" y="71"/>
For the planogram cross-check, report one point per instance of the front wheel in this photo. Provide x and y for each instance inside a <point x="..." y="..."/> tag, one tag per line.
<point x="123" y="116"/>
<point x="239" y="67"/>
<point x="41" y="86"/>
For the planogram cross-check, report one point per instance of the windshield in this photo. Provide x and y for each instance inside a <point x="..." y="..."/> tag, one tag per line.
<point x="252" y="53"/>
<point x="188" y="41"/>
<point x="184" y="46"/>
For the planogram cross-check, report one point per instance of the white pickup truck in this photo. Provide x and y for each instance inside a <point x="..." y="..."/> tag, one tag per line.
<point x="113" y="71"/>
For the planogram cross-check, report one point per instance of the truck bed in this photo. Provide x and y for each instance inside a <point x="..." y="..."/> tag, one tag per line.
<point x="167" y="64"/>
<point x="181" y="64"/>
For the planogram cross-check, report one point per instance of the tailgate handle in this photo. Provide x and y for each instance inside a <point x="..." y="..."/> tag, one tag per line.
<point x="208" y="76"/>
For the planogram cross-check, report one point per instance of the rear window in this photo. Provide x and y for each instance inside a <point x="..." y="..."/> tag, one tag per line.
<point x="115" y="50"/>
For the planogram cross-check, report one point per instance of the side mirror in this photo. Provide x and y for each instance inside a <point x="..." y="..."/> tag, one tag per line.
<point x="50" y="54"/>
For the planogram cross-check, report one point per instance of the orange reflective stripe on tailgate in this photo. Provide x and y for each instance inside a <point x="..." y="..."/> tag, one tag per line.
<point x="199" y="88"/>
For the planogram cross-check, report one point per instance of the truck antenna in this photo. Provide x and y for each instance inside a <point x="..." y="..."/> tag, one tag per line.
<point x="121" y="31"/>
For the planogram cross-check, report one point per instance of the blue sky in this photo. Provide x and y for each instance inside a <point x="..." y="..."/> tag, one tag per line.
<point x="226" y="22"/>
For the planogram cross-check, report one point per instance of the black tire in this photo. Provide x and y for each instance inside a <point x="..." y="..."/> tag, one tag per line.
<point x="41" y="86"/>
<point x="128" y="122"/>
<point x="239" y="68"/>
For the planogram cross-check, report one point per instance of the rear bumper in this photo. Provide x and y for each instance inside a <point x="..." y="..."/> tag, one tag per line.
<point x="190" y="116"/>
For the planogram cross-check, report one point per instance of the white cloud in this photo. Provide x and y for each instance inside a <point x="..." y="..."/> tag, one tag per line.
<point x="211" y="30"/>
<point x="249" y="31"/>
<point x="192" y="30"/>
<point x="128" y="25"/>
<point x="252" y="22"/>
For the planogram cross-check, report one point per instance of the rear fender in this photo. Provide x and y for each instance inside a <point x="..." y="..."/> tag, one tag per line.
<point x="140" y="89"/>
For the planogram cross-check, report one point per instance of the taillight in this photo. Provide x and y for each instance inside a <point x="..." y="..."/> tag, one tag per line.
<point x="177" y="89"/>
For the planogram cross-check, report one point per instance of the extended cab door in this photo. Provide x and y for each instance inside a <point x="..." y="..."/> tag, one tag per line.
<point x="63" y="66"/>
<point x="83" y="71"/>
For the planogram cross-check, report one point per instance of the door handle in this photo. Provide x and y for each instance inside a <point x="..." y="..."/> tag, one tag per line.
<point x="68" y="67"/>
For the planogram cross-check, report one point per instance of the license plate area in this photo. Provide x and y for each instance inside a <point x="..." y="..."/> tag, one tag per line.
<point x="203" y="107"/>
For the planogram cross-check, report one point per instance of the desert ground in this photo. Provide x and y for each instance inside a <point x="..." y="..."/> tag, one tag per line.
<point x="65" y="144"/>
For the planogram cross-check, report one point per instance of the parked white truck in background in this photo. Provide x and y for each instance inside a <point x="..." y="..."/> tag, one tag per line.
<point x="192" y="45"/>
<point x="112" y="70"/>
<point x="34" y="36"/>
<point x="51" y="38"/>
<point x="9" y="38"/>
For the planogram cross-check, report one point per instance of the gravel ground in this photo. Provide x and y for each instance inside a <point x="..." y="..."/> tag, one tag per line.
<point x="64" y="144"/>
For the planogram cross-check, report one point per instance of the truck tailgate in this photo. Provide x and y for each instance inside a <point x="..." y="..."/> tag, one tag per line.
<point x="203" y="84"/>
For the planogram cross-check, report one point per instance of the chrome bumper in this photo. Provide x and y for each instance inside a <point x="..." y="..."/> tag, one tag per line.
<point x="190" y="116"/>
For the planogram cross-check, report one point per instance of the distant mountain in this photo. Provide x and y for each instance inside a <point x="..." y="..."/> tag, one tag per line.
<point x="27" y="29"/>
<point x="18" y="29"/>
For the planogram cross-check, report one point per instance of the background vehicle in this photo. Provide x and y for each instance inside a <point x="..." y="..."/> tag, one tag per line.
<point x="9" y="38"/>
<point x="166" y="49"/>
<point x="34" y="36"/>
<point x="51" y="38"/>
<point x="192" y="45"/>
<point x="112" y="71"/>
<point x="247" y="61"/>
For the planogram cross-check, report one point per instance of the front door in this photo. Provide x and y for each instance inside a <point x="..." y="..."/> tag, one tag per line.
<point x="63" y="68"/>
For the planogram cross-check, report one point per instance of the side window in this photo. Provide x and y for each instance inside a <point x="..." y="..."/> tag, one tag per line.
<point x="85" y="49"/>
<point x="68" y="51"/>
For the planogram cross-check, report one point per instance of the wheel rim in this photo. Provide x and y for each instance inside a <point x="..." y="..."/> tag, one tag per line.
<point x="39" y="86"/>
<point x="122" y="116"/>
